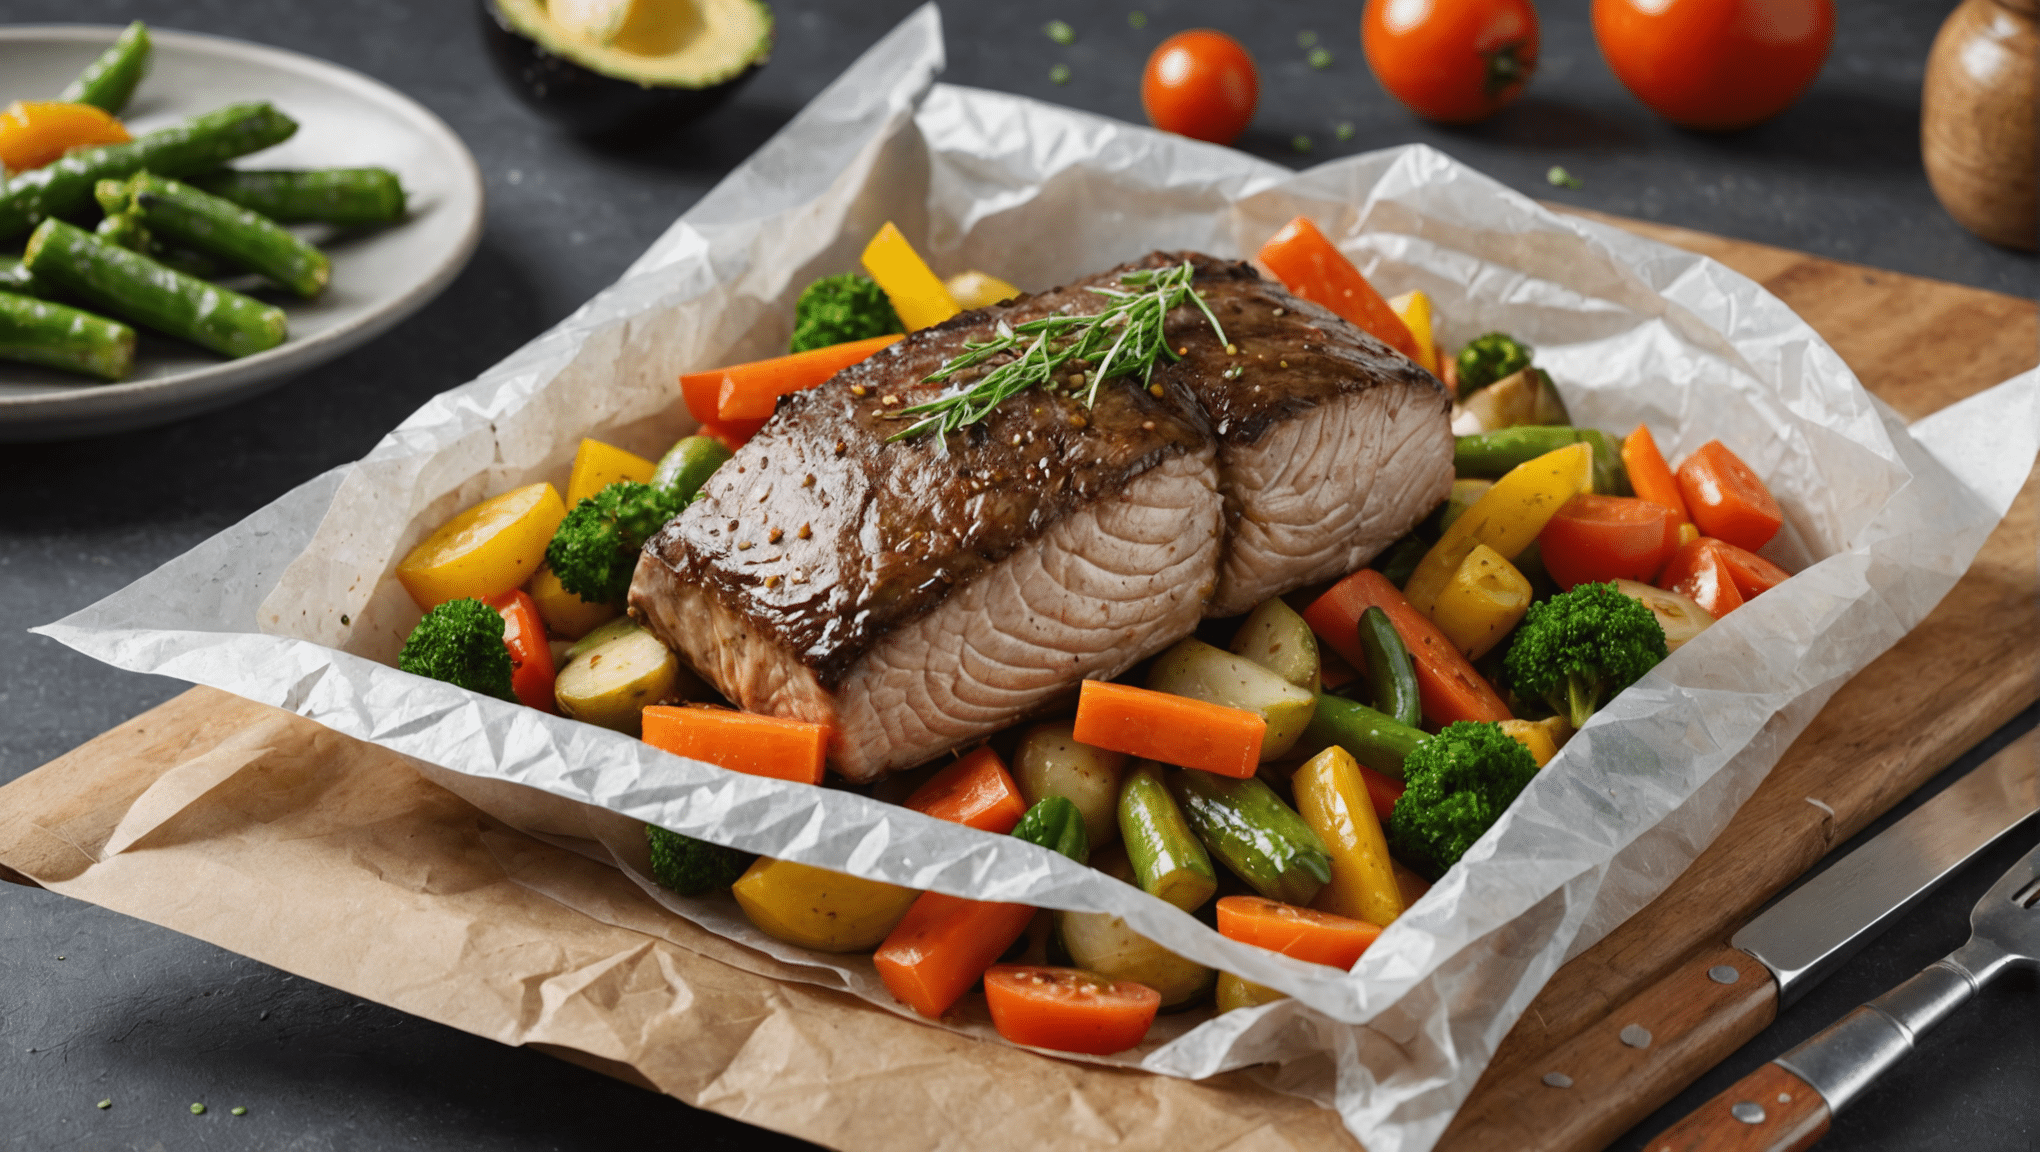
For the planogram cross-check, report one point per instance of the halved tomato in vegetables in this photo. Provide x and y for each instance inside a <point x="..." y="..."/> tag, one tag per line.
<point x="1751" y="574"/>
<point x="1701" y="574"/>
<point x="1069" y="1009"/>
<point x="1304" y="933"/>
<point x="1726" y="499"/>
<point x="531" y="662"/>
<point x="1593" y="539"/>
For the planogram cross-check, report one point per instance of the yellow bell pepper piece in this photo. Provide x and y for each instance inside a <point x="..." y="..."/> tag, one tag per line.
<point x="1415" y="310"/>
<point x="1485" y="598"/>
<point x="917" y="294"/>
<point x="1507" y="519"/>
<point x="816" y="908"/>
<point x="566" y="615"/>
<point x="1238" y="992"/>
<point x="1542" y="737"/>
<point x="974" y="289"/>
<point x="490" y="548"/>
<point x="1332" y="798"/>
<point x="598" y="465"/>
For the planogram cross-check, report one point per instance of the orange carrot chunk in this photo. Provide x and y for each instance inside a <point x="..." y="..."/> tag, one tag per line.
<point x="1303" y="933"/>
<point x="750" y="391"/>
<point x="976" y="790"/>
<point x="1172" y="729"/>
<point x="1649" y="476"/>
<point x="703" y="392"/>
<point x="1447" y="686"/>
<point x="739" y="741"/>
<point x="945" y="943"/>
<point x="1726" y="498"/>
<point x="1313" y="268"/>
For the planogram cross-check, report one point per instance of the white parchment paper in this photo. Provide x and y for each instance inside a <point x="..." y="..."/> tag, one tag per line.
<point x="296" y="605"/>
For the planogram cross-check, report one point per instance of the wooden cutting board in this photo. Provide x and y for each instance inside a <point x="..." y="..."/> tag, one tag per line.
<point x="1968" y="669"/>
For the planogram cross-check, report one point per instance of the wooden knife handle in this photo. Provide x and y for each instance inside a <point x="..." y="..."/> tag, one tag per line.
<point x="1769" y="1110"/>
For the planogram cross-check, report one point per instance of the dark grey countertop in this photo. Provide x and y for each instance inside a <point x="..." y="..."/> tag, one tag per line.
<point x="155" y="1020"/>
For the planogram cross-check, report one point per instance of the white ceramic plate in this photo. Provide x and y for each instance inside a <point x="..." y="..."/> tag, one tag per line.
<point x="344" y="119"/>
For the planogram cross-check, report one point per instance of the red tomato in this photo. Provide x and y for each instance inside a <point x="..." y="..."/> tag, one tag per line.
<point x="1452" y="60"/>
<point x="1701" y="573"/>
<point x="1751" y="574"/>
<point x="1068" y="1009"/>
<point x="1200" y="84"/>
<point x="531" y="662"/>
<point x="1715" y="64"/>
<point x="1593" y="539"/>
<point x="1726" y="498"/>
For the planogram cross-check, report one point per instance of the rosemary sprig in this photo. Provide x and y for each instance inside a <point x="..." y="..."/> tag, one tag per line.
<point x="1123" y="339"/>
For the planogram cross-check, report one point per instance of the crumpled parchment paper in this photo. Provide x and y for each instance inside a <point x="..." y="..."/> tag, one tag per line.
<point x="296" y="605"/>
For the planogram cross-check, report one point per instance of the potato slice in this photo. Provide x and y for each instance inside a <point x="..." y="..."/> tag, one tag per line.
<point x="1680" y="617"/>
<point x="566" y="615"/>
<point x="1051" y="762"/>
<point x="1277" y="639"/>
<point x="1201" y="672"/>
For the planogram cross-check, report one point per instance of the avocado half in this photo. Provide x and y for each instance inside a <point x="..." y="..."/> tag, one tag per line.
<point x="640" y="68"/>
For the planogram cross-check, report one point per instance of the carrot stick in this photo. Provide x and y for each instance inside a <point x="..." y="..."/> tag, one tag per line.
<point x="740" y="741"/>
<point x="1172" y="729"/>
<point x="945" y="943"/>
<point x="1447" y="685"/>
<point x="977" y="791"/>
<point x="749" y="391"/>
<point x="1313" y="268"/>
<point x="1650" y="476"/>
<point x="1304" y="933"/>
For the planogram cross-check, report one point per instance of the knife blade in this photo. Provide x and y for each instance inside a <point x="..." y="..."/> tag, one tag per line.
<point x="1814" y="928"/>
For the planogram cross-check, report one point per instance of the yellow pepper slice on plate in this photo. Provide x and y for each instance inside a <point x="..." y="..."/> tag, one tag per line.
<point x="917" y="294"/>
<point x="1507" y="519"/>
<point x="1332" y="798"/>
<point x="598" y="465"/>
<point x="1484" y="599"/>
<point x="38" y="132"/>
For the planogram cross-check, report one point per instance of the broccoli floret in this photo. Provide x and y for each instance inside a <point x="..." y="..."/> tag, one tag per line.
<point x="691" y="867"/>
<point x="595" y="548"/>
<point x="1486" y="359"/>
<point x="839" y="309"/>
<point x="1459" y="783"/>
<point x="1578" y="649"/>
<point x="461" y="642"/>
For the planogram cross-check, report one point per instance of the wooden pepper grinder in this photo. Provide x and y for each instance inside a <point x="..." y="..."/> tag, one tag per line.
<point x="1977" y="119"/>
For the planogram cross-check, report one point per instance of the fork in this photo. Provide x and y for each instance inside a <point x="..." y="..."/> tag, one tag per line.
<point x="1785" y="1105"/>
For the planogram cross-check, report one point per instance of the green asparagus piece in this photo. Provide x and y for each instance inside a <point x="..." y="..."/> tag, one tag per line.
<point x="40" y="332"/>
<point x="179" y="212"/>
<point x="198" y="145"/>
<point x="1375" y="739"/>
<point x="125" y="229"/>
<point x="109" y="81"/>
<point x="1247" y="825"/>
<point x="346" y="196"/>
<point x="16" y="278"/>
<point x="1490" y="455"/>
<point x="1390" y="671"/>
<point x="137" y="288"/>
<point x="686" y="466"/>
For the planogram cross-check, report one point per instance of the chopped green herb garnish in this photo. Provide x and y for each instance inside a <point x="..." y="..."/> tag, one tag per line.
<point x="1076" y="352"/>
<point x="1060" y="74"/>
<point x="239" y="1111"/>
<point x="105" y="1104"/>
<point x="1300" y="142"/>
<point x="1344" y="130"/>
<point x="1320" y="58"/>
<point x="1060" y="32"/>
<point x="1136" y="19"/>
<point x="198" y="1109"/>
<point x="1306" y="39"/>
<point x="1560" y="178"/>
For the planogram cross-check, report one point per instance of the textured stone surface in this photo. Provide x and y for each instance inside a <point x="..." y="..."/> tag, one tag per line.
<point x="156" y="1021"/>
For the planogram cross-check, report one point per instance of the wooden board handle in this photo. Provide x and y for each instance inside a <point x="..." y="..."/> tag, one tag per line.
<point x="1769" y="1110"/>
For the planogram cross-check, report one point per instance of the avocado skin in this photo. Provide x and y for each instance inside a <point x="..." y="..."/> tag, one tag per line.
<point x="588" y="103"/>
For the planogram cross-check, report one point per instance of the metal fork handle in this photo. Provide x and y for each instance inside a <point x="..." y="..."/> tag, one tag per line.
<point x="1843" y="1061"/>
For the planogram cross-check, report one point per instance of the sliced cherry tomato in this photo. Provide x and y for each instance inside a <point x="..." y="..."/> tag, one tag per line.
<point x="1452" y="60"/>
<point x="1751" y="574"/>
<point x="1068" y="1009"/>
<point x="1201" y="84"/>
<point x="1715" y="64"/>
<point x="1701" y="573"/>
<point x="1304" y="933"/>
<point x="531" y="662"/>
<point x="1726" y="499"/>
<point x="1594" y="539"/>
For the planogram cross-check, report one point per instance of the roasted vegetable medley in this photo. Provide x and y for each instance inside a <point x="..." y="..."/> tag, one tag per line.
<point x="1295" y="777"/>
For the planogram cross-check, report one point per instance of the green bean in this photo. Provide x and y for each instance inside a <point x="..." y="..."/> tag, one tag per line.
<point x="1378" y="741"/>
<point x="1259" y="837"/>
<point x="1168" y="858"/>
<point x="1390" y="671"/>
<point x="343" y="196"/>
<point x="56" y="336"/>
<point x="200" y="220"/>
<point x="16" y="278"/>
<point x="1490" y="455"/>
<point x="66" y="186"/>
<point x="137" y="288"/>
<point x="109" y="81"/>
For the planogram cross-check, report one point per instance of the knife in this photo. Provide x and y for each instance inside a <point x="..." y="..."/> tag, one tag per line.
<point x="1596" y="1085"/>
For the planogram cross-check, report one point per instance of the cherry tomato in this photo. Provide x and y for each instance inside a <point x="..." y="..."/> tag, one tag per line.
<point x="1452" y="60"/>
<point x="1068" y="1009"/>
<point x="1594" y="539"/>
<point x="1715" y="64"/>
<point x="1701" y="573"/>
<point x="1200" y="84"/>
<point x="1727" y="499"/>
<point x="1751" y="574"/>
